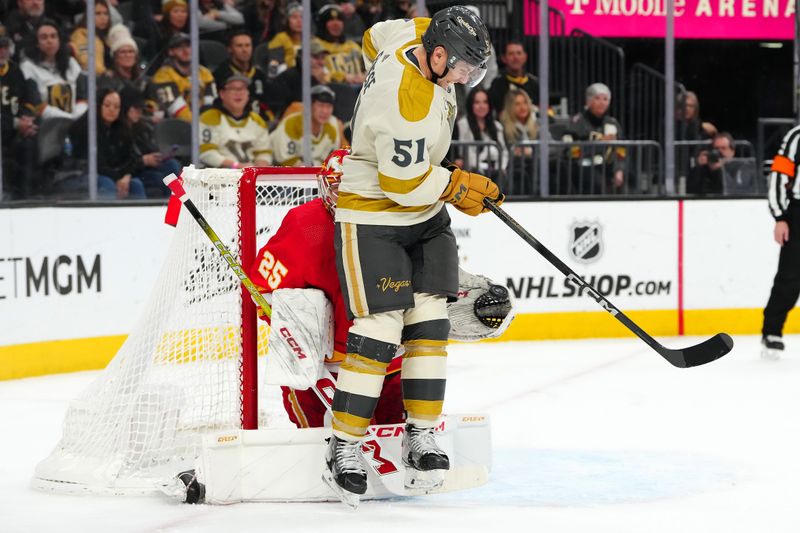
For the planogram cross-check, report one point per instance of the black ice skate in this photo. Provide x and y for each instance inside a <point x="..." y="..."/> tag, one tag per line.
<point x="344" y="472"/>
<point x="425" y="462"/>
<point x="772" y="347"/>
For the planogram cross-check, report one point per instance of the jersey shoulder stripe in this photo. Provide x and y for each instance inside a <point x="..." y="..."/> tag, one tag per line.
<point x="211" y="117"/>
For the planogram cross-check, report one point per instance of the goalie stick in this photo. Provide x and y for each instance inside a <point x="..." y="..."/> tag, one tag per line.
<point x="699" y="354"/>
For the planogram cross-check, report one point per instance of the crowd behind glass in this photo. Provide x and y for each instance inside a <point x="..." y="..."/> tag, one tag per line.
<point x="251" y="102"/>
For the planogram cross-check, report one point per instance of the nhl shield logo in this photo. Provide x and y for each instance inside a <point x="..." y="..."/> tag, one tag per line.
<point x="586" y="243"/>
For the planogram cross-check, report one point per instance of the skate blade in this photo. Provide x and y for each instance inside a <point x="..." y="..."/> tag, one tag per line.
<point x="348" y="498"/>
<point x="770" y="355"/>
<point x="423" y="482"/>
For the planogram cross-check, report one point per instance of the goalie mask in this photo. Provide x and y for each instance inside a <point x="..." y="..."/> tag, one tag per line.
<point x="329" y="177"/>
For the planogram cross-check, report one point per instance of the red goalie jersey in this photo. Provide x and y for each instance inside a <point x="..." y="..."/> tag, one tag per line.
<point x="301" y="256"/>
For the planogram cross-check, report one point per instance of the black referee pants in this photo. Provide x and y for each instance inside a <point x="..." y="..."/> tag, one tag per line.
<point x="786" y="287"/>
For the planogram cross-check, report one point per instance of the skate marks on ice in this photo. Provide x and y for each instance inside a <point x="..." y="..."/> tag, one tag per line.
<point x="578" y="478"/>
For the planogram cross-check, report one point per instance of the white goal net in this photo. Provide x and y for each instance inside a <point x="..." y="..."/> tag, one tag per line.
<point x="180" y="372"/>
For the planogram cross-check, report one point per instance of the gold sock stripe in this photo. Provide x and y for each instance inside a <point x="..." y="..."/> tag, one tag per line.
<point x="352" y="425"/>
<point x="424" y="342"/>
<point x="419" y="351"/>
<point x="423" y="409"/>
<point x="364" y="365"/>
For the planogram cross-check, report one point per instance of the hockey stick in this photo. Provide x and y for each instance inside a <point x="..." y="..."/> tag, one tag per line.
<point x="699" y="354"/>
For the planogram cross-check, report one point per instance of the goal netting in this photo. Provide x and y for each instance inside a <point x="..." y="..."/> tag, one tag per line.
<point x="190" y="364"/>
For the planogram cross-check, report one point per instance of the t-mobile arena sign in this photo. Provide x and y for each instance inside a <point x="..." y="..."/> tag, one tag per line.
<point x="694" y="19"/>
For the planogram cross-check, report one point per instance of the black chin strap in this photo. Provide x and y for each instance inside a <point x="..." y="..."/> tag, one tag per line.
<point x="435" y="77"/>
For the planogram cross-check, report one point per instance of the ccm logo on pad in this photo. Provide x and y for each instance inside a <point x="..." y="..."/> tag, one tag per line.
<point x="286" y="334"/>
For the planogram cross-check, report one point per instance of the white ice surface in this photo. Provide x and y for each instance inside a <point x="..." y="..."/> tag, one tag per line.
<point x="589" y="436"/>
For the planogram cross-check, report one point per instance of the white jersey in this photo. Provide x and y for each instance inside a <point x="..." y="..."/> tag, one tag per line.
<point x="223" y="137"/>
<point x="287" y="141"/>
<point x="58" y="93"/>
<point x="402" y="126"/>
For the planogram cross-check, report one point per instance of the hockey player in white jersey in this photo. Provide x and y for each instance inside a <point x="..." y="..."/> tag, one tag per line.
<point x="396" y="254"/>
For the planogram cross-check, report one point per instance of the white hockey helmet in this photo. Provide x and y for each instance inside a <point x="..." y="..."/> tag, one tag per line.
<point x="329" y="177"/>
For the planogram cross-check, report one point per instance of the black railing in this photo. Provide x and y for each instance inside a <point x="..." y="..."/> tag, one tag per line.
<point x="645" y="118"/>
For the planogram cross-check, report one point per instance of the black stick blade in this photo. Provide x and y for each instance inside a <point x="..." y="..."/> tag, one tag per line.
<point x="699" y="354"/>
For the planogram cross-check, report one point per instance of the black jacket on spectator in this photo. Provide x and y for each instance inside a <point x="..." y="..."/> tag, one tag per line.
<point x="114" y="155"/>
<point x="503" y="83"/>
<point x="22" y="30"/>
<point x="703" y="180"/>
<point x="18" y="99"/>
<point x="263" y="94"/>
<point x="289" y="87"/>
<point x="586" y="127"/>
<point x="262" y="31"/>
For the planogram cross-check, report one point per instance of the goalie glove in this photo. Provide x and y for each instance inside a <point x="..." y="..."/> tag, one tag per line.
<point x="483" y="310"/>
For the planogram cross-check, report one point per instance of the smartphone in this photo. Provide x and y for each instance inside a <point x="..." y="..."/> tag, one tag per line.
<point x="170" y="153"/>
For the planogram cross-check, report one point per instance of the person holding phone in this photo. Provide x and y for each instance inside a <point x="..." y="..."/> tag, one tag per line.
<point x="153" y="163"/>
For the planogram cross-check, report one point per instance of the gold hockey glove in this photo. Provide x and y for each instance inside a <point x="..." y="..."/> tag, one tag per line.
<point x="467" y="190"/>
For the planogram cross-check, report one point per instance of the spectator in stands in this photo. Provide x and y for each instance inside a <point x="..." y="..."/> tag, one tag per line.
<point x="263" y="96"/>
<point x="289" y="38"/>
<point x="398" y="9"/>
<point x="479" y="124"/>
<point x="689" y="125"/>
<point x="370" y="11"/>
<point x="19" y="128"/>
<point x="289" y="84"/>
<point x="344" y="60"/>
<point x="326" y="132"/>
<point x="707" y="175"/>
<point x="513" y="76"/>
<point x="354" y="26"/>
<point x="126" y="69"/>
<point x="147" y="16"/>
<point x="231" y="135"/>
<point x="116" y="162"/>
<point x="601" y="169"/>
<point x="169" y="92"/>
<point x="79" y="41"/>
<point x="218" y="15"/>
<point x="152" y="164"/>
<point x="22" y="23"/>
<point x="175" y="21"/>
<point x="264" y="19"/>
<point x="56" y="74"/>
<point x="518" y="119"/>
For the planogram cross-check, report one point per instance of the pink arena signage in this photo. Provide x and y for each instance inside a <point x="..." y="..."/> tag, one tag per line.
<point x="694" y="19"/>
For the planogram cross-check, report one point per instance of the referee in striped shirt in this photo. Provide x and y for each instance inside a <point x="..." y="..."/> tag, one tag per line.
<point x="784" y="203"/>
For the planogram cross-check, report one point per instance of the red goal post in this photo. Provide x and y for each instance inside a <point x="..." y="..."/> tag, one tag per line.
<point x="248" y="199"/>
